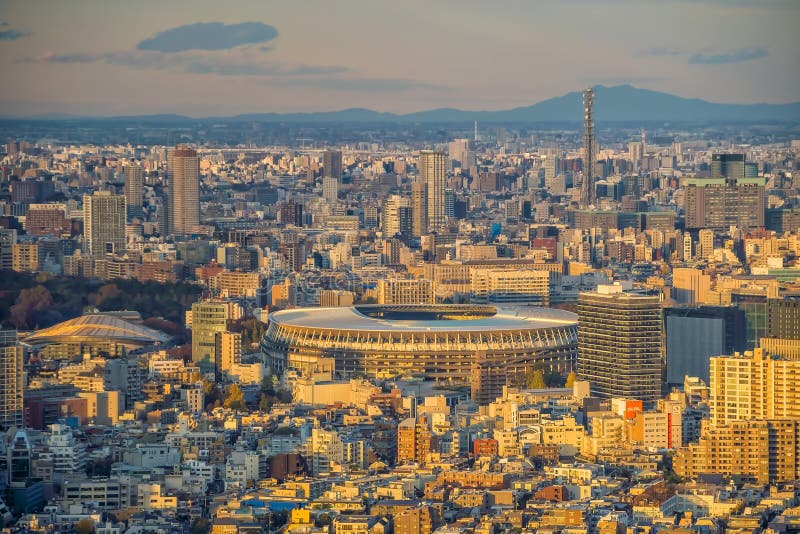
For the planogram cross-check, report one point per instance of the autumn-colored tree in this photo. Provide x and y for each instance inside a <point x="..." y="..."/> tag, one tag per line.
<point x="235" y="398"/>
<point x="31" y="304"/>
<point x="570" y="380"/>
<point x="535" y="379"/>
<point x="84" y="526"/>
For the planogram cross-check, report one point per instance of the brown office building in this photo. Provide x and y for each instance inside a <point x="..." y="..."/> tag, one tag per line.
<point x="718" y="203"/>
<point x="183" y="171"/>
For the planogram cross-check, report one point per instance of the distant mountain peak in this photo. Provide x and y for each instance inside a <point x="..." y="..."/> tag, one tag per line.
<point x="614" y="103"/>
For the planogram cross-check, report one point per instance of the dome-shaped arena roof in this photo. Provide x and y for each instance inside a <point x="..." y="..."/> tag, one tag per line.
<point x="98" y="327"/>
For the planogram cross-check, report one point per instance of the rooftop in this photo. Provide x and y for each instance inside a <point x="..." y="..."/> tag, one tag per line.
<point x="422" y="318"/>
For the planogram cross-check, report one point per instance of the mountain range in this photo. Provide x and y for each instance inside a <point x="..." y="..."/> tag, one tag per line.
<point x="621" y="103"/>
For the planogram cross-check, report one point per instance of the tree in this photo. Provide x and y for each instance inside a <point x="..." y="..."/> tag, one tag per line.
<point x="570" y="379"/>
<point x="84" y="526"/>
<point x="31" y="304"/>
<point x="535" y="379"/>
<point x="235" y="398"/>
<point x="201" y="525"/>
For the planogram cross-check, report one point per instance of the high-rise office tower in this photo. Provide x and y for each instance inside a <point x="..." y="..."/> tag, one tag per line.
<point x="11" y="378"/>
<point x="783" y="318"/>
<point x="183" y="172"/>
<point x="706" y="237"/>
<point x="332" y="164"/>
<point x="134" y="187"/>
<point x="449" y="204"/>
<point x="393" y="215"/>
<point x="695" y="334"/>
<point x="103" y="223"/>
<point x="208" y="318"/>
<point x="730" y="166"/>
<point x="552" y="166"/>
<point x="432" y="173"/>
<point x="8" y="238"/>
<point x="45" y="219"/>
<point x="782" y="334"/>
<point x="227" y="352"/>
<point x="291" y="213"/>
<point x="635" y="151"/>
<point x="419" y="208"/>
<point x="405" y="291"/>
<point x="589" y="148"/>
<point x="330" y="189"/>
<point x="718" y="203"/>
<point x="459" y="151"/>
<point x="619" y="343"/>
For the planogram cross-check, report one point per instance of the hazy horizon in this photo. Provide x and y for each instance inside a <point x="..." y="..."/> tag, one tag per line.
<point x="202" y="59"/>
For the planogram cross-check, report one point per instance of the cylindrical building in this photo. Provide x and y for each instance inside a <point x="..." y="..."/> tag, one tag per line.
<point x="488" y="346"/>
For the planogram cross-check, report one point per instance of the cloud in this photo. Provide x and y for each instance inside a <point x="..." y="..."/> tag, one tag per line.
<point x="209" y="36"/>
<point x="359" y="85"/>
<point x="733" y="56"/>
<point x="661" y="52"/>
<point x="622" y="80"/>
<point x="248" y="64"/>
<point x="12" y="35"/>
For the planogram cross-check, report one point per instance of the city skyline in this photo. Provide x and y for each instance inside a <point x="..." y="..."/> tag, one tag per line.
<point x="265" y="60"/>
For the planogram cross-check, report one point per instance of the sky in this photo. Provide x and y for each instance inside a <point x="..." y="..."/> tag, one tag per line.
<point x="212" y="58"/>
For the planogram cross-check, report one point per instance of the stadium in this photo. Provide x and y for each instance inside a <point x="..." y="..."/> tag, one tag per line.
<point x="105" y="334"/>
<point x="434" y="342"/>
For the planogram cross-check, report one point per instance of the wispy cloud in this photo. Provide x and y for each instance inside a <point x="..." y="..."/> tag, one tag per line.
<point x="12" y="35"/>
<point x="358" y="84"/>
<point x="661" y="52"/>
<point x="247" y="64"/>
<point x="621" y="80"/>
<point x="732" y="56"/>
<point x="209" y="36"/>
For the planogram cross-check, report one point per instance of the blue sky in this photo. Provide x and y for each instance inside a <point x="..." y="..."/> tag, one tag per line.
<point x="207" y="58"/>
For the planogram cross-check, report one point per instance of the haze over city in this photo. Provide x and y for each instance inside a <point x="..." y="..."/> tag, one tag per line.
<point x="444" y="267"/>
<point x="197" y="59"/>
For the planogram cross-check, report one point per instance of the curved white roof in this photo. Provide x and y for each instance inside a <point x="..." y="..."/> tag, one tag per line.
<point x="97" y="326"/>
<point x="349" y="318"/>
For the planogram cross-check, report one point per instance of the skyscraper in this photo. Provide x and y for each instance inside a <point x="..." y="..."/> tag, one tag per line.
<point x="103" y="223"/>
<point x="718" y="203"/>
<point x="134" y="186"/>
<point x="694" y="335"/>
<point x="589" y="149"/>
<point x="332" y="164"/>
<point x="11" y="377"/>
<point x="619" y="343"/>
<point x="392" y="215"/>
<point x="419" y="208"/>
<point x="432" y="173"/>
<point x="183" y="172"/>
<point x="729" y="166"/>
<point x="227" y="352"/>
<point x="330" y="189"/>
<point x="208" y="319"/>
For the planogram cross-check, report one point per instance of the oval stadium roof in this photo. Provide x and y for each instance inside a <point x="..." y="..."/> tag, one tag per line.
<point x="354" y="318"/>
<point x="97" y="327"/>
